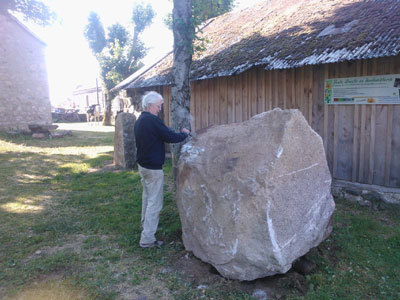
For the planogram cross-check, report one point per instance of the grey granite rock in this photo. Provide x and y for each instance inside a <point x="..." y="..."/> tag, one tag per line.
<point x="255" y="196"/>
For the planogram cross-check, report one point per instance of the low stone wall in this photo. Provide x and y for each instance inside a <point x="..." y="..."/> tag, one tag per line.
<point x="68" y="117"/>
<point x="373" y="196"/>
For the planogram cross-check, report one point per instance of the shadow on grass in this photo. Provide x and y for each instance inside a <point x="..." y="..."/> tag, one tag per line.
<point x="30" y="193"/>
<point x="78" y="139"/>
<point x="34" y="184"/>
<point x="54" y="195"/>
<point x="46" y="198"/>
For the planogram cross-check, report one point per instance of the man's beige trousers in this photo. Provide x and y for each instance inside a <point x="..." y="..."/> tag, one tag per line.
<point x="152" y="202"/>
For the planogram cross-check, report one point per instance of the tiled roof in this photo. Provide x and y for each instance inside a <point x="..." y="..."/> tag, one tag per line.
<point x="281" y="34"/>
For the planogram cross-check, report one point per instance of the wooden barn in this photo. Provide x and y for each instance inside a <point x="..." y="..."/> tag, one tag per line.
<point x="335" y="60"/>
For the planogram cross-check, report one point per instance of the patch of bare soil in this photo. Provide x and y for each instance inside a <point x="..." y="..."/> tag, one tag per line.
<point x="204" y="275"/>
<point x="72" y="244"/>
<point x="152" y="288"/>
<point x="52" y="286"/>
<point x="108" y="166"/>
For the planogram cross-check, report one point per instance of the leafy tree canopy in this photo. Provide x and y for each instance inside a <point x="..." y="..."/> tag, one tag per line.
<point x="203" y="10"/>
<point x="94" y="33"/>
<point x="207" y="9"/>
<point x="117" y="32"/>
<point x="142" y="16"/>
<point x="119" y="53"/>
<point x="33" y="10"/>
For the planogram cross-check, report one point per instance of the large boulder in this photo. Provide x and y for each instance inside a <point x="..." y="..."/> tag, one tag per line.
<point x="255" y="196"/>
<point x="124" y="141"/>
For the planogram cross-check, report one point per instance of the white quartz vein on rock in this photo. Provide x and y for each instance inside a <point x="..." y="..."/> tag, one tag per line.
<point x="300" y="170"/>
<point x="276" y="249"/>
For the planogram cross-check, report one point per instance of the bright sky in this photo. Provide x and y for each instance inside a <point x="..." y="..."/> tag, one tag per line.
<point x="68" y="57"/>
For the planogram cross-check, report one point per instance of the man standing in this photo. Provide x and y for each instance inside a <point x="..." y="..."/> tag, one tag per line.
<point x="150" y="135"/>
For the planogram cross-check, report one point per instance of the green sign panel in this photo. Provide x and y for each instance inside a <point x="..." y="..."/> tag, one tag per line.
<point x="382" y="89"/>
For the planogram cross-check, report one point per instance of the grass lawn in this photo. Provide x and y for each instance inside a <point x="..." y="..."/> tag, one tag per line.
<point x="70" y="227"/>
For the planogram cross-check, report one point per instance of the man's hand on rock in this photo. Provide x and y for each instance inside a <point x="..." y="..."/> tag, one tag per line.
<point x="184" y="130"/>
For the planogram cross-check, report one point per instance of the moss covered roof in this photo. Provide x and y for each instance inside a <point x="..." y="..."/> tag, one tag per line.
<point x="281" y="34"/>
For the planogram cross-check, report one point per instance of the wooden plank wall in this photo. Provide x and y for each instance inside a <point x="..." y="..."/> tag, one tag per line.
<point x="362" y="142"/>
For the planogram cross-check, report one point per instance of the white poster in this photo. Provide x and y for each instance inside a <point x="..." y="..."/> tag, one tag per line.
<point x="381" y="89"/>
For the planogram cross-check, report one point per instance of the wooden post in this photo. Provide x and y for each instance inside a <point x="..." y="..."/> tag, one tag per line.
<point x="231" y="99"/>
<point x="211" y="100"/>
<point x="223" y="101"/>
<point x="388" y="153"/>
<point x="261" y="91"/>
<point x="326" y="114"/>
<point x="192" y="108"/>
<point x="372" y="145"/>
<point x="245" y="95"/>
<point x="310" y="94"/>
<point x="284" y="82"/>
<point x="335" y="139"/>
<point x="238" y="98"/>
<point x="204" y="103"/>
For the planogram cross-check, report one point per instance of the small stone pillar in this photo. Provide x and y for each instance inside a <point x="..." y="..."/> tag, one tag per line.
<point x="124" y="141"/>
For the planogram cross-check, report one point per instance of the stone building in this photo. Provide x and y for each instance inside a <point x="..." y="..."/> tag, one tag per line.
<point x="24" y="91"/>
<point x="85" y="96"/>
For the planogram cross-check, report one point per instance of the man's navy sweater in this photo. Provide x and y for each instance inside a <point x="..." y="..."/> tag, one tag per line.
<point x="150" y="135"/>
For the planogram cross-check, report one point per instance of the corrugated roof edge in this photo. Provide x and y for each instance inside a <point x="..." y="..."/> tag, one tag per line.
<point x="138" y="73"/>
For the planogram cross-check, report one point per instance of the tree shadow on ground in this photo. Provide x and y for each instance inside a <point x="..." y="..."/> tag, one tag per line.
<point x="46" y="199"/>
<point x="79" y="138"/>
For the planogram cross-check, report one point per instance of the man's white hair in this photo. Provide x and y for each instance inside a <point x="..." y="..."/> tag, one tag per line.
<point x="151" y="97"/>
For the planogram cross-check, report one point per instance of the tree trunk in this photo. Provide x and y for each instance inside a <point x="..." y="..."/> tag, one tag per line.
<point x="107" y="111"/>
<point x="180" y="93"/>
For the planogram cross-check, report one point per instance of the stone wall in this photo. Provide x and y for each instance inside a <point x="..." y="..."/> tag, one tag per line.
<point x="24" y="91"/>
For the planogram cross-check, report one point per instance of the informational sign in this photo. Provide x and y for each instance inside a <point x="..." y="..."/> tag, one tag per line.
<point x="382" y="89"/>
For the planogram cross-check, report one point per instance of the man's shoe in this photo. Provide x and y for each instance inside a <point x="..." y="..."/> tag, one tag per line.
<point x="151" y="245"/>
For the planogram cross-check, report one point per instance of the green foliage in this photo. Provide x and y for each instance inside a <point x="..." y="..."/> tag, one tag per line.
<point x="117" y="32"/>
<point x="33" y="10"/>
<point x="112" y="62"/>
<point x="94" y="33"/>
<point x="204" y="10"/>
<point x="120" y="52"/>
<point x="142" y="16"/>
